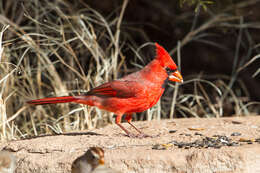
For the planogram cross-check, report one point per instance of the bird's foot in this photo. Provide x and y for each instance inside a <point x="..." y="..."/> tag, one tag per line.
<point x="140" y="135"/>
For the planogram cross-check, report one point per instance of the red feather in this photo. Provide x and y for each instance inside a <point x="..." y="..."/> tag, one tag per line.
<point x="52" y="100"/>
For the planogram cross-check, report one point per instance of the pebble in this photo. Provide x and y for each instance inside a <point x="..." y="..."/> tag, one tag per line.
<point x="172" y="131"/>
<point x="199" y="134"/>
<point x="236" y="134"/>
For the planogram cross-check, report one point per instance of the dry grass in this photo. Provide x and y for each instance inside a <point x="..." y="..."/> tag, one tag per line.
<point x="59" y="52"/>
<point x="46" y="54"/>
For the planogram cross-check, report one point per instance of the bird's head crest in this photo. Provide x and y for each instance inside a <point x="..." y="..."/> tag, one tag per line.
<point x="164" y="58"/>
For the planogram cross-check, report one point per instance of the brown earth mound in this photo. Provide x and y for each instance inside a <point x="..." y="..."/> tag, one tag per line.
<point x="183" y="145"/>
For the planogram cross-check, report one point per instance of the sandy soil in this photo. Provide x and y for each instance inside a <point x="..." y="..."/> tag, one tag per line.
<point x="157" y="154"/>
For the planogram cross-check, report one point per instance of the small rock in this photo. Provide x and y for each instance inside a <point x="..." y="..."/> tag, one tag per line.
<point x="187" y="147"/>
<point x="185" y="134"/>
<point x="257" y="140"/>
<point x="236" y="134"/>
<point x="172" y="131"/>
<point x="158" y="147"/>
<point x="236" y="122"/>
<point x="199" y="134"/>
<point x="217" y="146"/>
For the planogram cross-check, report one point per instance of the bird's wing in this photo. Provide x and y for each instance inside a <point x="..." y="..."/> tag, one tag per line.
<point x="117" y="88"/>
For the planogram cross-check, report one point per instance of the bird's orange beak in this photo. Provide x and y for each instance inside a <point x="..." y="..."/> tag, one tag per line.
<point x="176" y="77"/>
<point x="101" y="161"/>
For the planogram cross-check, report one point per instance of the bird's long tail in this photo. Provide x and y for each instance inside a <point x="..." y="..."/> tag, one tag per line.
<point x="53" y="100"/>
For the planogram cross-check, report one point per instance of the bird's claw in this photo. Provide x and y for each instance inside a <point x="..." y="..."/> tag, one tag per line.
<point x="140" y="135"/>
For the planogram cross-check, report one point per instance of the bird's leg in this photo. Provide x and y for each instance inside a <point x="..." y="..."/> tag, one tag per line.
<point x="118" y="120"/>
<point x="128" y="117"/>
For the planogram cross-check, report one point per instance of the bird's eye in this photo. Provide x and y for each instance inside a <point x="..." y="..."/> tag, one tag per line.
<point x="169" y="71"/>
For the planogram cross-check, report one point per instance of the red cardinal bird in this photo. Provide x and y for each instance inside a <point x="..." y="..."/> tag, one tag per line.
<point x="133" y="93"/>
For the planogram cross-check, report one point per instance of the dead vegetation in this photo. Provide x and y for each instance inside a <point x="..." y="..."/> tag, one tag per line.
<point x="49" y="48"/>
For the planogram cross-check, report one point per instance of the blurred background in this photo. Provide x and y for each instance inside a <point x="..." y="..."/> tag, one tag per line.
<point x="59" y="47"/>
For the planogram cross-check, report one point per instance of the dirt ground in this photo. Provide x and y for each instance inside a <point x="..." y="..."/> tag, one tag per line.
<point x="54" y="154"/>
